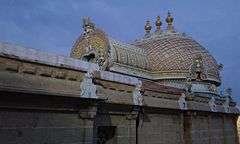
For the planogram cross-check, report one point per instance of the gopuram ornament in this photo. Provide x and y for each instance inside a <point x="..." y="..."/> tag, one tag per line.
<point x="197" y="71"/>
<point x="92" y="46"/>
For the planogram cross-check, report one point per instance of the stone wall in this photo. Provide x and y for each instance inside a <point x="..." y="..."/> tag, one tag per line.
<point x="38" y="119"/>
<point x="213" y="129"/>
<point x="230" y="130"/>
<point x="199" y="130"/>
<point x="36" y="127"/>
<point x="124" y="132"/>
<point x="161" y="129"/>
<point x="18" y="126"/>
<point x="32" y="127"/>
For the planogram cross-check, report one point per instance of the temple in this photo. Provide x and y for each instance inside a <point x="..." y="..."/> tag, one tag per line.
<point x="163" y="88"/>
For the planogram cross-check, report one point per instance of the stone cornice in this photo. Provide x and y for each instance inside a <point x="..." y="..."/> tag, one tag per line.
<point x="32" y="55"/>
<point x="21" y="72"/>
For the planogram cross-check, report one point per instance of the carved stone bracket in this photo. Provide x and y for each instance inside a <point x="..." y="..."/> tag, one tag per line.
<point x="88" y="113"/>
<point x="132" y="116"/>
<point x="182" y="102"/>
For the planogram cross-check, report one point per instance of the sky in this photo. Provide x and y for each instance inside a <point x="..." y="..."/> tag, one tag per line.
<point x="54" y="25"/>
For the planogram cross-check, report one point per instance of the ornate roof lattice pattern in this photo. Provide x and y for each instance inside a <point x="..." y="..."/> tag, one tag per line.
<point x="175" y="53"/>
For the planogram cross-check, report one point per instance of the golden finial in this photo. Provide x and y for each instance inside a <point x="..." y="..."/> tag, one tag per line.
<point x="158" y="24"/>
<point x="148" y="27"/>
<point x="169" y="18"/>
<point x="169" y="21"/>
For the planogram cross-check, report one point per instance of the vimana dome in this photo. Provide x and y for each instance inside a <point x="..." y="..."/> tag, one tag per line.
<point x="166" y="56"/>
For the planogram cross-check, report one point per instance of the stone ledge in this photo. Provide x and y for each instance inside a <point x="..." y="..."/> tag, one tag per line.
<point x="32" y="55"/>
<point x="18" y="53"/>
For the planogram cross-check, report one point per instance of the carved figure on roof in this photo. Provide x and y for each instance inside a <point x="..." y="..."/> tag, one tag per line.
<point x="226" y="104"/>
<point x="212" y="104"/>
<point x="212" y="88"/>
<point x="137" y="96"/>
<point x="88" y="88"/>
<point x="88" y="26"/>
<point x="92" y="45"/>
<point x="228" y="92"/>
<point x="197" y="70"/>
<point x="188" y="84"/>
<point x="182" y="102"/>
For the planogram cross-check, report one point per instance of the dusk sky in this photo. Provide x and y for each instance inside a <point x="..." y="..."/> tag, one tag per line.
<point x="54" y="25"/>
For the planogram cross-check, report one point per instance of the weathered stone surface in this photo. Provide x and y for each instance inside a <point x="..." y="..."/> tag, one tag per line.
<point x="38" y="84"/>
<point x="27" y="68"/>
<point x="32" y="55"/>
<point x="217" y="129"/>
<point x="118" y="78"/>
<point x="161" y="129"/>
<point x="42" y="127"/>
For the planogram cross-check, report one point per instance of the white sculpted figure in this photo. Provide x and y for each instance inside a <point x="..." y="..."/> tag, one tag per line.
<point x="212" y="104"/>
<point x="137" y="96"/>
<point x="88" y="89"/>
<point x="182" y="102"/>
<point x="226" y="104"/>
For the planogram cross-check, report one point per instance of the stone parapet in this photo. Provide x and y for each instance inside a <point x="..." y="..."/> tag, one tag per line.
<point x="32" y="71"/>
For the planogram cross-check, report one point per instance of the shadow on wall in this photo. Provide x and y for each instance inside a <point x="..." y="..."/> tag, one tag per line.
<point x="103" y="132"/>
